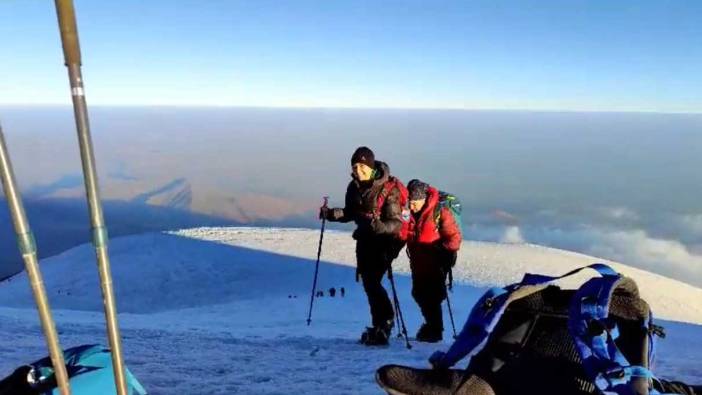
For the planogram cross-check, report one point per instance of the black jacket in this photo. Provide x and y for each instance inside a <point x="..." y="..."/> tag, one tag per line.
<point x="361" y="202"/>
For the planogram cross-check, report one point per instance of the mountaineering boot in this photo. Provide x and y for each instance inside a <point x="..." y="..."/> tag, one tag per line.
<point x="366" y="335"/>
<point x="374" y="336"/>
<point x="377" y="335"/>
<point x="432" y="329"/>
<point x="430" y="333"/>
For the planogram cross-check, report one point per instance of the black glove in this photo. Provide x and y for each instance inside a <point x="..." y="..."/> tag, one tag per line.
<point x="447" y="258"/>
<point x="451" y="258"/>
<point x="448" y="261"/>
<point x="324" y="212"/>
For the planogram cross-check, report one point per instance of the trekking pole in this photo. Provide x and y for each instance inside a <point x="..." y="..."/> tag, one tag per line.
<point x="397" y="320"/>
<point x="27" y="246"/>
<point x="448" y="288"/>
<point x="448" y="303"/>
<point x="397" y="316"/>
<point x="316" y="267"/>
<point x="71" y="51"/>
<point x="396" y="300"/>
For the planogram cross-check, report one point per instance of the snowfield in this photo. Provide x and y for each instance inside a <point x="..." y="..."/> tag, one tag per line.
<point x="223" y="310"/>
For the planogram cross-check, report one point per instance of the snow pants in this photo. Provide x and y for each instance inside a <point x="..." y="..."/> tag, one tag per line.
<point x="373" y="258"/>
<point x="428" y="283"/>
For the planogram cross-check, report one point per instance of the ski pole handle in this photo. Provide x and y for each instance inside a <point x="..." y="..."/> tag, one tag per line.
<point x="323" y="210"/>
<point x="69" y="32"/>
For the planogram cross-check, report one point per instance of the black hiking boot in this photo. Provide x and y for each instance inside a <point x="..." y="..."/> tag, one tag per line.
<point x="430" y="334"/>
<point x="377" y="335"/>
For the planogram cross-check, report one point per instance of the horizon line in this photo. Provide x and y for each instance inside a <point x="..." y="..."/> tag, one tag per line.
<point x="352" y="108"/>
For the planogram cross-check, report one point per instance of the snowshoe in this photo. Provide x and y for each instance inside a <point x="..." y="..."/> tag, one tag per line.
<point x="676" y="387"/>
<point x="402" y="380"/>
<point x="430" y="334"/>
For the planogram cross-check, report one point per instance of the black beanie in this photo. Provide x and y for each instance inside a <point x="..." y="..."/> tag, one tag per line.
<point x="417" y="190"/>
<point x="363" y="155"/>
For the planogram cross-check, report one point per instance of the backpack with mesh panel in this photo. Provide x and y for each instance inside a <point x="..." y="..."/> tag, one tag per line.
<point x="535" y="338"/>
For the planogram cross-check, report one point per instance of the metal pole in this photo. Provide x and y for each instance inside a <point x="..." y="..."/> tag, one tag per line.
<point x="396" y="300"/>
<point x="71" y="51"/>
<point x="316" y="267"/>
<point x="27" y="246"/>
<point x="449" y="288"/>
<point x="397" y="322"/>
<point x="448" y="303"/>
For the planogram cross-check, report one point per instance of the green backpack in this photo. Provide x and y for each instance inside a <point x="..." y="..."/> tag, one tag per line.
<point x="453" y="204"/>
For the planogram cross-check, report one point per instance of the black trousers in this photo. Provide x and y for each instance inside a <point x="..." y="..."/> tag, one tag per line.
<point x="373" y="258"/>
<point x="428" y="284"/>
<point x="429" y="295"/>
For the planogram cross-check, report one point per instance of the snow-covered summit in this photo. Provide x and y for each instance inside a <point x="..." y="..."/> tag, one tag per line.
<point x="209" y="266"/>
<point x="481" y="264"/>
<point x="223" y="310"/>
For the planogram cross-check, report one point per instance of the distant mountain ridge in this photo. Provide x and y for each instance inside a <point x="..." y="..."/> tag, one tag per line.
<point x="181" y="194"/>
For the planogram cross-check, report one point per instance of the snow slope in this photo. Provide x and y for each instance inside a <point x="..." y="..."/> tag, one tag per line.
<point x="222" y="310"/>
<point x="482" y="264"/>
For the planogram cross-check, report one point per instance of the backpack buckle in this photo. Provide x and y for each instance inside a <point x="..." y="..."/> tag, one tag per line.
<point x="617" y="373"/>
<point x="595" y="328"/>
<point x="488" y="304"/>
<point x="657" y="330"/>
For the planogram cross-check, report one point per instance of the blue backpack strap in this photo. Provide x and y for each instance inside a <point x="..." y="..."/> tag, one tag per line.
<point x="489" y="309"/>
<point x="481" y="322"/>
<point x="594" y="335"/>
<point x="601" y="268"/>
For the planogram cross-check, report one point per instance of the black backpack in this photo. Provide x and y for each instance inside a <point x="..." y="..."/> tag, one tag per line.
<point x="533" y="338"/>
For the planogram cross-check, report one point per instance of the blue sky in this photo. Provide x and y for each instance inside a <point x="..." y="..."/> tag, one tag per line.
<point x="540" y="55"/>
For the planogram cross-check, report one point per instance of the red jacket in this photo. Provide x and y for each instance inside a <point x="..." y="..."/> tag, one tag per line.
<point x="425" y="231"/>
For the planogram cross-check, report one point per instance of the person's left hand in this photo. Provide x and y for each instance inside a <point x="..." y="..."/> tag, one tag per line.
<point x="451" y="257"/>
